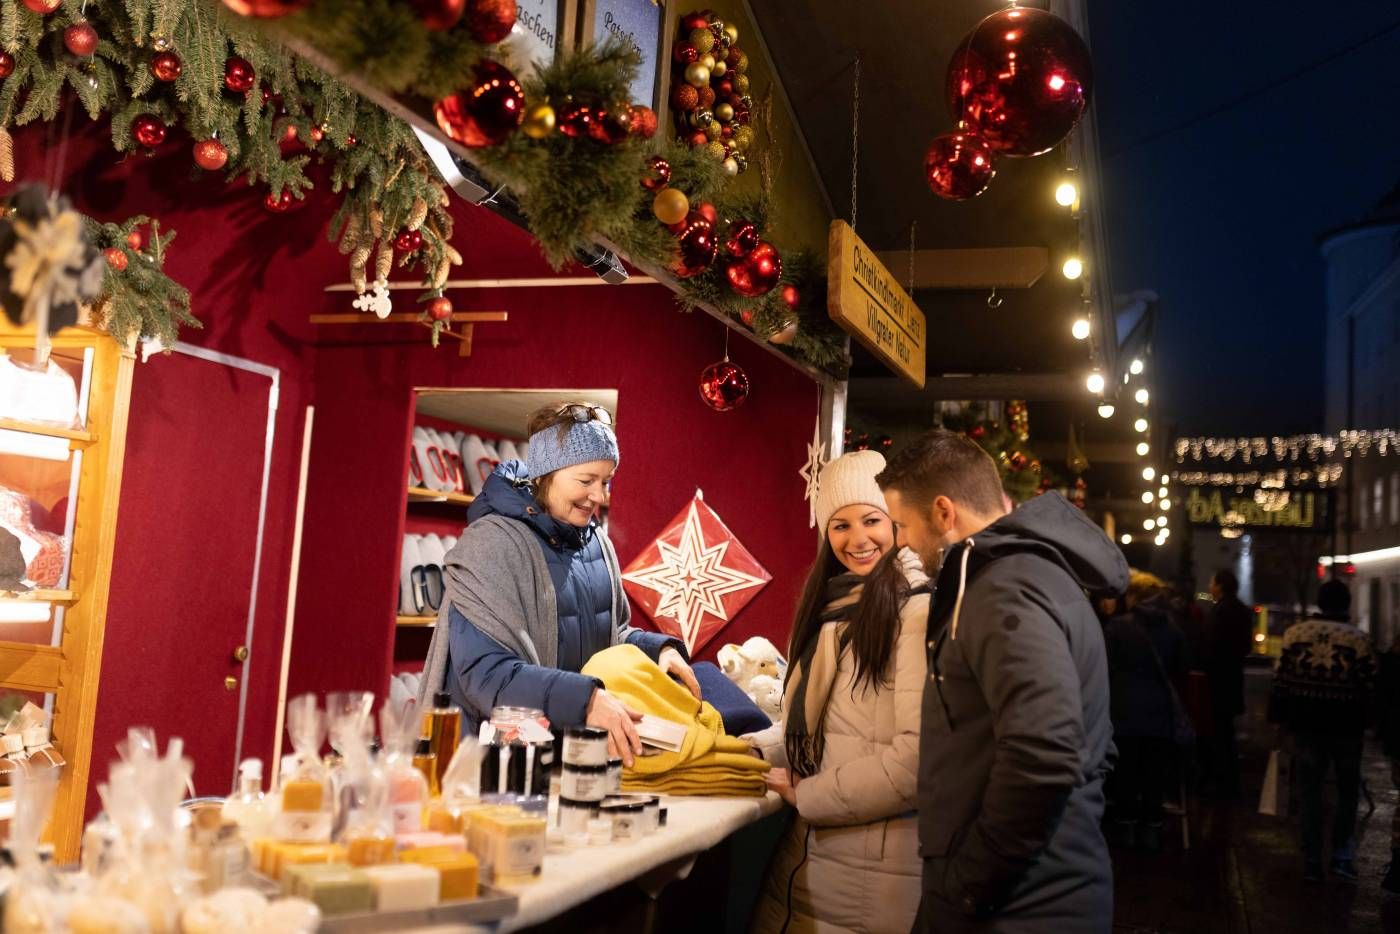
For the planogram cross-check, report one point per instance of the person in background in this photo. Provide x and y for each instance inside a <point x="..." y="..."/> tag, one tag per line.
<point x="533" y="588"/>
<point x="1388" y="711"/>
<point x="1321" y="696"/>
<point x="1229" y="640"/>
<point x="848" y="760"/>
<point x="1146" y="662"/>
<point x="1016" y="737"/>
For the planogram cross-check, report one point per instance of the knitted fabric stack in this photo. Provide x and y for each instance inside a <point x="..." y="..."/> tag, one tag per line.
<point x="708" y="763"/>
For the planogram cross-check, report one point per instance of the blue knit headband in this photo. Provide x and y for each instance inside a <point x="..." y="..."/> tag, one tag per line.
<point x="584" y="442"/>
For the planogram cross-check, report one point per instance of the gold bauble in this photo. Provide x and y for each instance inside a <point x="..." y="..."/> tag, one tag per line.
<point x="717" y="151"/>
<point x="743" y="64"/>
<point x="724" y="112"/>
<point x="732" y="32"/>
<point x="731" y="167"/>
<point x="718" y="69"/>
<point x="784" y="334"/>
<point x="741" y="83"/>
<point x="697" y="75"/>
<point x="714" y="130"/>
<point x="670" y="206"/>
<point x="702" y="39"/>
<point x="709" y="62"/>
<point x="743" y="137"/>
<point x="538" y="122"/>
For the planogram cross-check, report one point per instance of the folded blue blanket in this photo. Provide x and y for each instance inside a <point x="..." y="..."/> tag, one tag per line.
<point x="740" y="714"/>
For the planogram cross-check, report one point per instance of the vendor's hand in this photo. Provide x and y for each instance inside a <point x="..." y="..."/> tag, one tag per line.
<point x="676" y="666"/>
<point x="608" y="713"/>
<point x="784" y="783"/>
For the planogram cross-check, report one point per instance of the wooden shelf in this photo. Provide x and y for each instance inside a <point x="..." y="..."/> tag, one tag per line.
<point x="64" y="597"/>
<point x="418" y="494"/>
<point x="417" y="622"/>
<point x="77" y="438"/>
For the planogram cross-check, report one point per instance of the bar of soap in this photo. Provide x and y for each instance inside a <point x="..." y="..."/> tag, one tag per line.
<point x="459" y="877"/>
<point x="403" y="886"/>
<point x="370" y="851"/>
<point x="303" y="794"/>
<point x="428" y="854"/>
<point x="427" y="839"/>
<point x="441" y="819"/>
<point x="335" y="888"/>
<point x="286" y="855"/>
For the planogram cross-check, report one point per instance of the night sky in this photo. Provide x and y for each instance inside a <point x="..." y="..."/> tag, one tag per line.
<point x="1220" y="214"/>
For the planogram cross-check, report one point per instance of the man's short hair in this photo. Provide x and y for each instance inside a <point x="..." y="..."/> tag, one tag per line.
<point x="945" y="463"/>
<point x="1334" y="600"/>
<point x="1228" y="581"/>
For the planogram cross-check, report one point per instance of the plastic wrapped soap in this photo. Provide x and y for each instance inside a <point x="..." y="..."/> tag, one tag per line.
<point x="404" y="886"/>
<point x="105" y="914"/>
<point x="289" y="916"/>
<point x="335" y="889"/>
<point x="236" y="909"/>
<point x="458" y="876"/>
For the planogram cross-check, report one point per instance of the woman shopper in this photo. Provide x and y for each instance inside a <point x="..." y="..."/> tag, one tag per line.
<point x="533" y="588"/>
<point x="848" y="761"/>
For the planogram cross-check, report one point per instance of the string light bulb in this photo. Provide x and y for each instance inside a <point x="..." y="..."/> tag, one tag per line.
<point x="1136" y="367"/>
<point x="1141" y="396"/>
<point x="1162" y="492"/>
<point x="1106" y="410"/>
<point x="1095" y="383"/>
<point x="1073" y="268"/>
<point x="1126" y="539"/>
<point x="1161" y="522"/>
<point x="1080" y="328"/>
<point x="1148" y="525"/>
<point x="1165" y="533"/>
<point x="1149" y="474"/>
<point x="1140" y="426"/>
<point x="1066" y="194"/>
<point x="1165" y="505"/>
<point x="1143" y="448"/>
<point x="1147" y="497"/>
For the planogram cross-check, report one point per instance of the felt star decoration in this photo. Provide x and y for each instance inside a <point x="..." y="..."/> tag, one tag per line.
<point x="811" y="471"/>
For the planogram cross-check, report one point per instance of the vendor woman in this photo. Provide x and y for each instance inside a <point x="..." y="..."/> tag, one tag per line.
<point x="534" y="589"/>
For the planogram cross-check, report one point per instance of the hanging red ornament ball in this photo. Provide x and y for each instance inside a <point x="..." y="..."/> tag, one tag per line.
<point x="977" y="431"/>
<point x="757" y="273"/>
<point x="148" y="130"/>
<point x="115" y="258"/>
<point x="643" y="121"/>
<point x="693" y="21"/>
<point x="792" y="297"/>
<point x="7" y="64"/>
<point x="706" y="96"/>
<point x="317" y="134"/>
<point x="724" y="386"/>
<point x="265" y="9"/>
<point x="439" y="14"/>
<point x="408" y="241"/>
<point x="708" y="211"/>
<point x="43" y="7"/>
<point x="134" y="240"/>
<point x="210" y="154"/>
<point x="657" y="174"/>
<point x="80" y="39"/>
<point x="685" y="54"/>
<point x="350" y="139"/>
<point x="685" y="98"/>
<point x="487" y="114"/>
<point x="166" y="66"/>
<point x="698" y="138"/>
<point x="743" y="237"/>
<point x="490" y="20"/>
<point x="440" y="308"/>
<point x="239" y="76"/>
<point x="698" y="246"/>
<point x="611" y="125"/>
<point x="279" y="204"/>
<point x="958" y="166"/>
<point x="746" y="316"/>
<point x="1021" y="80"/>
<point x="576" y="119"/>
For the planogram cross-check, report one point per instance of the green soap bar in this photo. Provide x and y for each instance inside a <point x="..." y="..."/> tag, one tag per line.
<point x="335" y="888"/>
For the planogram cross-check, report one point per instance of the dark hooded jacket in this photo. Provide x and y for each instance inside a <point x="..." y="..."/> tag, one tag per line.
<point x="1147" y="657"/>
<point x="1016" y="732"/>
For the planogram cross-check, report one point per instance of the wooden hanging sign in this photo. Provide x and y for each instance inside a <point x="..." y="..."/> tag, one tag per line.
<point x="866" y="300"/>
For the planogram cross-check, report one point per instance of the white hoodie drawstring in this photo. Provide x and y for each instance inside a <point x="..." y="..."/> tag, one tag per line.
<point x="962" y="586"/>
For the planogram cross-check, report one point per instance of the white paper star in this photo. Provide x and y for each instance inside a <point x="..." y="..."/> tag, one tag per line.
<point x="376" y="299"/>
<point x="811" y="471"/>
<point x="691" y="579"/>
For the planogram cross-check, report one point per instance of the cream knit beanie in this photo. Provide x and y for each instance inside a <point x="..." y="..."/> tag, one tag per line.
<point x="847" y="480"/>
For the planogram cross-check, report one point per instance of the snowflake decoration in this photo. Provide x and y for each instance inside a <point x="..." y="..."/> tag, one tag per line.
<point x="376" y="299"/>
<point x="811" y="471"/>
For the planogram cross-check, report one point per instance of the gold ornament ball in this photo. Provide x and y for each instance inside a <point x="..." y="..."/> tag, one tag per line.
<point x="539" y="121"/>
<point x="717" y="151"/>
<point x="743" y="64"/>
<point x="697" y="75"/>
<point x="731" y="167"/>
<point x="709" y="62"/>
<point x="713" y="131"/>
<point x="718" y="69"/>
<point x="743" y="137"/>
<point x="702" y="39"/>
<point x="724" y="113"/>
<point x="670" y="206"/>
<point x="784" y="334"/>
<point x="732" y="32"/>
<point x="741" y="83"/>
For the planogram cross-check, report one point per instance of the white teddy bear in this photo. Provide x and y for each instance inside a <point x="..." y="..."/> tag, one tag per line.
<point x="757" y="656"/>
<point x="767" y="692"/>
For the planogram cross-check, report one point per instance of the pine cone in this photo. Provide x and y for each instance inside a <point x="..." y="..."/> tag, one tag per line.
<point x="384" y="262"/>
<point x="418" y="214"/>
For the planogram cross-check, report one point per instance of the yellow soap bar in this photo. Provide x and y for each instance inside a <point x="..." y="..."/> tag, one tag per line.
<point x="428" y="854"/>
<point x="303" y="794"/>
<point x="258" y="850"/>
<point x="300" y="854"/>
<point x="370" y="851"/>
<point x="442" y="820"/>
<point x="461" y="876"/>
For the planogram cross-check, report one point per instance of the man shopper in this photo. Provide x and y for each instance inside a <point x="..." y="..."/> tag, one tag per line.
<point x="1015" y="735"/>
<point x="1229" y="640"/>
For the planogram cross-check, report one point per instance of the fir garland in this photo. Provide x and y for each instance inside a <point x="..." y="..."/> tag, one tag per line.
<point x="1022" y="474"/>
<point x="140" y="298"/>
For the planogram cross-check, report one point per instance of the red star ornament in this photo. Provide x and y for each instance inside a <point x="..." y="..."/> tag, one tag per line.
<point x="695" y="577"/>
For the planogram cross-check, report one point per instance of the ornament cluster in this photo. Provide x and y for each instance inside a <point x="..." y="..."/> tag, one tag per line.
<point x="710" y="99"/>
<point x="1017" y="85"/>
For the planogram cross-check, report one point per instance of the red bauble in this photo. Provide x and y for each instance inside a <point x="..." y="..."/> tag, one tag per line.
<point x="487" y="114"/>
<point x="611" y="125"/>
<point x="440" y="308"/>
<point x="80" y="39"/>
<point x="115" y="258"/>
<point x="743" y="237"/>
<point x="408" y="241"/>
<point x="43" y="7"/>
<point x="693" y="21"/>
<point x="166" y="66"/>
<point x="685" y="54"/>
<point x="708" y="211"/>
<point x="706" y="97"/>
<point x="490" y="20"/>
<point x="317" y="134"/>
<point x="698" y="138"/>
<point x="439" y="14"/>
<point x="210" y="154"/>
<point x="239" y="76"/>
<point x="684" y="98"/>
<point x="698" y="246"/>
<point x="977" y="431"/>
<point x="134" y="240"/>
<point x="724" y="386"/>
<point x="7" y="64"/>
<point x="657" y="175"/>
<point x="959" y="166"/>
<point x="575" y="119"/>
<point x="792" y="297"/>
<point x="746" y="316"/>
<point x="1021" y="80"/>
<point x="265" y="9"/>
<point x="148" y="130"/>
<point x="757" y="273"/>
<point x="280" y="204"/>
<point x="643" y="121"/>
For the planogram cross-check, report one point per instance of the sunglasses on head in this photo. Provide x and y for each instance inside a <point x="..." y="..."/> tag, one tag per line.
<point x="581" y="412"/>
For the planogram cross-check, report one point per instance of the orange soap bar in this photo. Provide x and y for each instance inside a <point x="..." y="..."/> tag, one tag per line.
<point x="303" y="795"/>
<point x="441" y="820"/>
<point x="429" y="854"/>
<point x="460" y="875"/>
<point x="370" y="851"/>
<point x="300" y="854"/>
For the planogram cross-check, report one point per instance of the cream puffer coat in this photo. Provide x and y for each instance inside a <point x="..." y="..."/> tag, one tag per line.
<point x="856" y="817"/>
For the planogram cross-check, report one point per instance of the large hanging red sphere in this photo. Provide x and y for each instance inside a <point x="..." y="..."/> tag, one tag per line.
<point x="698" y="246"/>
<point x="440" y="14"/>
<point x="43" y="7"/>
<point x="210" y="154"/>
<point x="1020" y="80"/>
<point x="166" y="66"/>
<point x="959" y="166"/>
<point x="490" y="20"/>
<point x="265" y="9"/>
<point x="724" y="386"/>
<point x="757" y="273"/>
<point x="80" y="39"/>
<point x="148" y="130"/>
<point x="488" y="113"/>
<point x="239" y="76"/>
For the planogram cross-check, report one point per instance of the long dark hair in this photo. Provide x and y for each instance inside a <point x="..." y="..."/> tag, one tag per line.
<point x="870" y="632"/>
